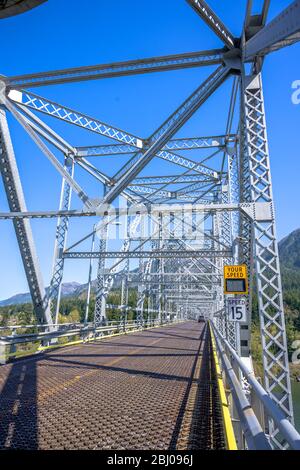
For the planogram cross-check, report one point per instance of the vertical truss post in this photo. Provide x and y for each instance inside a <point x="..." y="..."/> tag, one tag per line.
<point x="232" y="328"/>
<point x="124" y="279"/>
<point x="150" y="308"/>
<point x="218" y="268"/>
<point x="89" y="284"/>
<point x="54" y="294"/>
<point x="16" y="201"/>
<point x="149" y="318"/>
<point x="155" y="245"/>
<point x="154" y="269"/>
<point x="160" y="268"/>
<point x="234" y="192"/>
<point x="124" y="294"/>
<point x="141" y="298"/>
<point x="100" y="303"/>
<point x="245" y="233"/>
<point x="141" y="285"/>
<point x="270" y="301"/>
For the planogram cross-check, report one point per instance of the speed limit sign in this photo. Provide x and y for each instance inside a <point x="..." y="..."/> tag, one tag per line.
<point x="236" y="310"/>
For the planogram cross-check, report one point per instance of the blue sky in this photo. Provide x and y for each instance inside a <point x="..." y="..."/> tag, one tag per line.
<point x="62" y="33"/>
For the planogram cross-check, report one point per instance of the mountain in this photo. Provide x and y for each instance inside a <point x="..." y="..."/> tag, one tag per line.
<point x="289" y="251"/>
<point x="69" y="289"/>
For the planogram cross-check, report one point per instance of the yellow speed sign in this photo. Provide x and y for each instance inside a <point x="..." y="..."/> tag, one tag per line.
<point x="236" y="279"/>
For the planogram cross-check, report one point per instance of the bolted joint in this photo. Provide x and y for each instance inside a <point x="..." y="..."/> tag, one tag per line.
<point x="233" y="60"/>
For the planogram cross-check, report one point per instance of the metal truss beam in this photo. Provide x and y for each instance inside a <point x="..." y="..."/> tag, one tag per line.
<point x="282" y="31"/>
<point x="63" y="113"/>
<point x="118" y="69"/>
<point x="152" y="192"/>
<point x="51" y="157"/>
<point x="197" y="143"/>
<point x="104" y="150"/>
<point x="16" y="201"/>
<point x="191" y="143"/>
<point x="209" y="206"/>
<point x="155" y="195"/>
<point x="47" y="132"/>
<point x="212" y="20"/>
<point x="186" y="282"/>
<point x="172" y="179"/>
<point x="198" y="275"/>
<point x="186" y="163"/>
<point x="269" y="288"/>
<point x="149" y="254"/>
<point x="193" y="189"/>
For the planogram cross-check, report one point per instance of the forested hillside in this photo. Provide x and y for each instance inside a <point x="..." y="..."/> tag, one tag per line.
<point x="289" y="249"/>
<point x="73" y="306"/>
<point x="289" y="252"/>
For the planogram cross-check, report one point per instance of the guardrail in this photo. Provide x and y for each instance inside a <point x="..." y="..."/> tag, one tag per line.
<point x="227" y="423"/>
<point x="49" y="338"/>
<point x="256" y="438"/>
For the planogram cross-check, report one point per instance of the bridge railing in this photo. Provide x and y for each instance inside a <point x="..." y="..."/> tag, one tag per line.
<point x="45" y="336"/>
<point x="233" y="368"/>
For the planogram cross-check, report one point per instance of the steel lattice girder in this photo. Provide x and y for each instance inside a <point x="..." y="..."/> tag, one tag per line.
<point x="186" y="163"/>
<point x="207" y="206"/>
<point x="45" y="106"/>
<point x="174" y="179"/>
<point x="118" y="69"/>
<point x="191" y="143"/>
<point x="149" y="254"/>
<point x="269" y="288"/>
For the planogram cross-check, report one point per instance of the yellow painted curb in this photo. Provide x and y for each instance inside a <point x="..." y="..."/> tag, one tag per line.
<point x="229" y="433"/>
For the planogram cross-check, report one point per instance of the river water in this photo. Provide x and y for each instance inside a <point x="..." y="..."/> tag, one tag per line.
<point x="296" y="401"/>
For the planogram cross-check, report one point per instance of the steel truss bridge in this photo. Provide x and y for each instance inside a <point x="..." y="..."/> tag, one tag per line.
<point x="187" y="385"/>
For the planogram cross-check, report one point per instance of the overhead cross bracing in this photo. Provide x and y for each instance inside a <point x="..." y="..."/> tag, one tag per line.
<point x="15" y="7"/>
<point x="168" y="205"/>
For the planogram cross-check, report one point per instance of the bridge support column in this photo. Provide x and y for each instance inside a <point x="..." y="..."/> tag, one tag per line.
<point x="269" y="289"/>
<point x="100" y="304"/>
<point x="89" y="283"/>
<point x="245" y="228"/>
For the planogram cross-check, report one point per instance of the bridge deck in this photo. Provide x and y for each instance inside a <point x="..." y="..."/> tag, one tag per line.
<point x="147" y="390"/>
